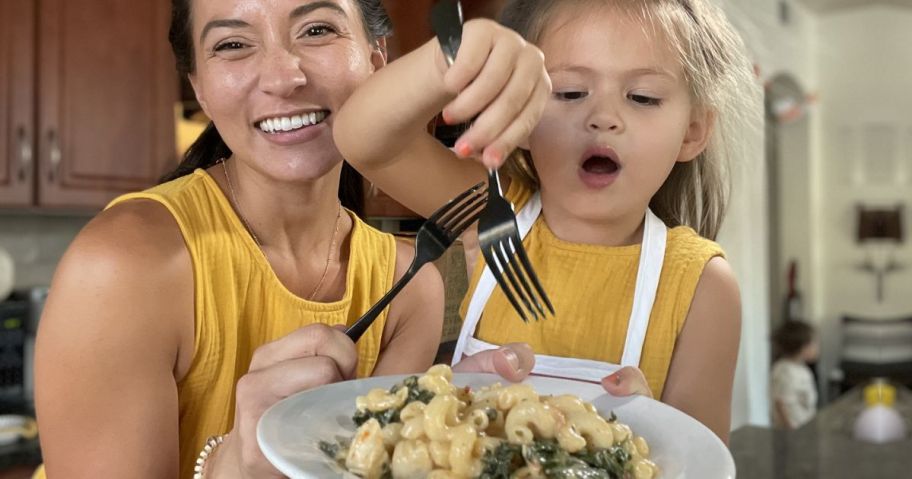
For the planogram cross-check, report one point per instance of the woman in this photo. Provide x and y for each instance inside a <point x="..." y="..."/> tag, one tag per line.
<point x="185" y="311"/>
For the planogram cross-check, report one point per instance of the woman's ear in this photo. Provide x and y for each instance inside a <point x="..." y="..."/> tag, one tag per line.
<point x="700" y="129"/>
<point x="379" y="54"/>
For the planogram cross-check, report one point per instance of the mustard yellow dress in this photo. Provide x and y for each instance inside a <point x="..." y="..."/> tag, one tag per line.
<point x="592" y="290"/>
<point x="241" y="304"/>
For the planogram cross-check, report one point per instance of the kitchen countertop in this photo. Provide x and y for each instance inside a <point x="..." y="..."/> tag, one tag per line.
<point x="823" y="448"/>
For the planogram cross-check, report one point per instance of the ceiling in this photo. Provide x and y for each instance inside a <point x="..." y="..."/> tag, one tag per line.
<point x="826" y="6"/>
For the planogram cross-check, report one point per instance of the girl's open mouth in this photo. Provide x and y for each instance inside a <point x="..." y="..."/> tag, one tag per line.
<point x="599" y="168"/>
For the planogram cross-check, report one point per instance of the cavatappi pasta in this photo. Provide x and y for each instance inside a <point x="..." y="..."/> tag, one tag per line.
<point x="427" y="427"/>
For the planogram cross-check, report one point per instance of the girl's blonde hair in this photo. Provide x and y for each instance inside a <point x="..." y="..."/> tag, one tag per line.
<point x="720" y="77"/>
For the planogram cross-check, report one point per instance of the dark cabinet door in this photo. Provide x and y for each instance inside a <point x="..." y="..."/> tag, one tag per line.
<point x="17" y="113"/>
<point x="106" y="92"/>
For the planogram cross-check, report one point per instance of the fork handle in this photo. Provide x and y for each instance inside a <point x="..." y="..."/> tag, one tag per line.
<point x="364" y="322"/>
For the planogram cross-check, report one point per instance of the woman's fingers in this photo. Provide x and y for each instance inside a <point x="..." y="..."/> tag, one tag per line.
<point x="512" y="361"/>
<point x="627" y="381"/>
<point x="310" y="341"/>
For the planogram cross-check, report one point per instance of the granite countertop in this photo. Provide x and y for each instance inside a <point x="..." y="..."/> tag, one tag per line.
<point x="823" y="448"/>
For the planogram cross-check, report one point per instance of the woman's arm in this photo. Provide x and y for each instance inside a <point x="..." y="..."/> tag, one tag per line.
<point x="415" y="322"/>
<point x="703" y="365"/>
<point x="497" y="78"/>
<point x="109" y="346"/>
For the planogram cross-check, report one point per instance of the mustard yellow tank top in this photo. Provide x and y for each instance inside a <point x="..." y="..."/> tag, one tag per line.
<point x="241" y="304"/>
<point x="592" y="289"/>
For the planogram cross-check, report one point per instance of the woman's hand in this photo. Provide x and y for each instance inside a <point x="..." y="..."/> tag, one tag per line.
<point x="500" y="80"/>
<point x="627" y="381"/>
<point x="512" y="361"/>
<point x="308" y="357"/>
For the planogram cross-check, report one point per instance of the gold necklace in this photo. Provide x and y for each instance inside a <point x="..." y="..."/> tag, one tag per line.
<point x="332" y="242"/>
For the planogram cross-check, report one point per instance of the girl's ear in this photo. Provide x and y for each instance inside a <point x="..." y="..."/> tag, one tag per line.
<point x="200" y="98"/>
<point x="379" y="54"/>
<point x="699" y="131"/>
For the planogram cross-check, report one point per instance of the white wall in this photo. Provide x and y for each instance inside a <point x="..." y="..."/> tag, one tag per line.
<point x="775" y="48"/>
<point x="866" y="105"/>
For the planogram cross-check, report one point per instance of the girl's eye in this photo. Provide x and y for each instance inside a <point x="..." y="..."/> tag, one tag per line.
<point x="644" y="100"/>
<point x="570" y="95"/>
<point x="229" y="45"/>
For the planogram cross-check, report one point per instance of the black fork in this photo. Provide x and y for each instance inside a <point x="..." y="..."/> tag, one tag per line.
<point x="434" y="237"/>
<point x="498" y="234"/>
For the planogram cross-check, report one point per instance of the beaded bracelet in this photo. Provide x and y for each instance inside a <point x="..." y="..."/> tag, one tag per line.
<point x="210" y="446"/>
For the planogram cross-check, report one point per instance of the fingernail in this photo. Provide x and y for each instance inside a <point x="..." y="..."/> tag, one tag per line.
<point x="463" y="148"/>
<point x="446" y="118"/>
<point x="492" y="158"/>
<point x="615" y="378"/>
<point x="511" y="358"/>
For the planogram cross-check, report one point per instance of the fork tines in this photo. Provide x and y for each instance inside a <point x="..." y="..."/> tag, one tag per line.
<point x="508" y="259"/>
<point x="460" y="212"/>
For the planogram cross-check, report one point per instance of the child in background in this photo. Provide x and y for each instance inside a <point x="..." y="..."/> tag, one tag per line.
<point x="793" y="390"/>
<point x="620" y="187"/>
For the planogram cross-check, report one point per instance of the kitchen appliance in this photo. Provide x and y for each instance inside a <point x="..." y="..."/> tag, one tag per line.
<point x="19" y="316"/>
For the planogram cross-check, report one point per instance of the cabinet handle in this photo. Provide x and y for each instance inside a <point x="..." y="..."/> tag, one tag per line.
<point x="54" y="156"/>
<point x="25" y="155"/>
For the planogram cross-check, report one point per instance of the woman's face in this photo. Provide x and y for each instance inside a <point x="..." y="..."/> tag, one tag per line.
<point x="272" y="73"/>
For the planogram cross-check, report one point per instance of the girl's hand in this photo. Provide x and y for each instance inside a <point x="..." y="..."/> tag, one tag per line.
<point x="627" y="381"/>
<point x="499" y="80"/>
<point x="512" y="361"/>
<point x="308" y="357"/>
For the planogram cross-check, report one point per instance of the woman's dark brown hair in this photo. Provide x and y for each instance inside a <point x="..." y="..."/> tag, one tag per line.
<point x="209" y="148"/>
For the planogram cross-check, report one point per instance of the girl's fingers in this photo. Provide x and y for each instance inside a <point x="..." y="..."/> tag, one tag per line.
<point x="512" y="361"/>
<point x="309" y="341"/>
<point x="494" y="76"/>
<point x="627" y="381"/>
<point x="478" y="40"/>
<point x="497" y="151"/>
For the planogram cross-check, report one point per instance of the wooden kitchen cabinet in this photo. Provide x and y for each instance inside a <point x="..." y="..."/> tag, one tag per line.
<point x="96" y="108"/>
<point x="17" y="115"/>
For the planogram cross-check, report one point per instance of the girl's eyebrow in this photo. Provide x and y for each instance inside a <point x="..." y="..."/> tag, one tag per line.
<point x="300" y="11"/>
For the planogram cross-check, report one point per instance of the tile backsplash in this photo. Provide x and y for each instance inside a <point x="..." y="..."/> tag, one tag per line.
<point x="36" y="243"/>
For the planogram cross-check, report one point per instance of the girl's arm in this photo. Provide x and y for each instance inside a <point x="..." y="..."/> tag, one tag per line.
<point x="497" y="79"/>
<point x="109" y="346"/>
<point x="703" y="365"/>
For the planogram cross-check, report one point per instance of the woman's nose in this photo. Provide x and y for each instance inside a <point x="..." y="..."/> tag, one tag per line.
<point x="281" y="73"/>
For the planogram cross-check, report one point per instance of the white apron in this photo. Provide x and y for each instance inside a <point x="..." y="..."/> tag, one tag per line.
<point x="652" y="255"/>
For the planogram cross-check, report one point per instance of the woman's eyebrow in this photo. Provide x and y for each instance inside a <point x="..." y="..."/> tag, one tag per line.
<point x="222" y="23"/>
<point x="310" y="7"/>
<point x="296" y="13"/>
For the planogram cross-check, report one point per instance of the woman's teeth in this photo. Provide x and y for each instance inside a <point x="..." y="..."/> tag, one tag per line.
<point x="289" y="123"/>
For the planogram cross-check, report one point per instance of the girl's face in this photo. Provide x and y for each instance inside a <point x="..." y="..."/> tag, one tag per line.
<point x="271" y="74"/>
<point x="619" y="118"/>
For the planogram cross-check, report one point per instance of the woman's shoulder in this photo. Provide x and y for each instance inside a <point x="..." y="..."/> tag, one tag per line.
<point x="139" y="236"/>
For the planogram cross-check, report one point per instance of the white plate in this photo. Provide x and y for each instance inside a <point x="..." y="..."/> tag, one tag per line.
<point x="289" y="431"/>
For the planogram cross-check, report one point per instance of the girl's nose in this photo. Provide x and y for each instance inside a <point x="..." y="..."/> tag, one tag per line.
<point x="281" y="73"/>
<point x="605" y="118"/>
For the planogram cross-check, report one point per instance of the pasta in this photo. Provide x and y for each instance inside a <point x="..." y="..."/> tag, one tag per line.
<point x="425" y="427"/>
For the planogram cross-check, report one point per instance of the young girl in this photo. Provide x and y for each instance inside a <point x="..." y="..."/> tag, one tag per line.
<point x="619" y="189"/>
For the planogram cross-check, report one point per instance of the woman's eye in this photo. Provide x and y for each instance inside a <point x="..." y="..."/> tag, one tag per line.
<point x="230" y="45"/>
<point x="645" y="100"/>
<point x="318" y="30"/>
<point x="570" y="95"/>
